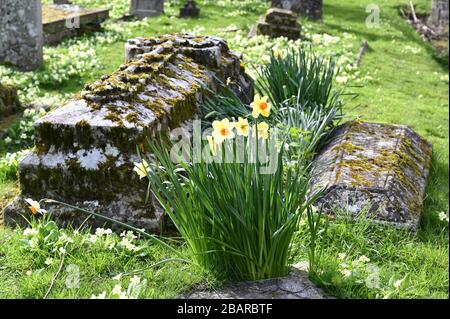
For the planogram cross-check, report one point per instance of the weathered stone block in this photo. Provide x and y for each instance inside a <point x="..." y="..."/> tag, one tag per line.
<point x="146" y="8"/>
<point x="85" y="149"/>
<point x="21" y="37"/>
<point x="279" y="23"/>
<point x="9" y="102"/>
<point x="61" y="21"/>
<point x="311" y="9"/>
<point x="378" y="168"/>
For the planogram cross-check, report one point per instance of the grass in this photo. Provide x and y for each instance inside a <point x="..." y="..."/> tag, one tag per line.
<point x="406" y="88"/>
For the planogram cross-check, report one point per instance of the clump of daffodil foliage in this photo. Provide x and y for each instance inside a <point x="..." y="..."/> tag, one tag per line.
<point x="238" y="210"/>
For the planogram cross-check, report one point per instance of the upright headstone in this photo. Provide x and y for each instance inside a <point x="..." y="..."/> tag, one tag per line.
<point x="85" y="149"/>
<point x="21" y="36"/>
<point x="146" y="8"/>
<point x="312" y="9"/>
<point x="439" y="13"/>
<point x="379" y="169"/>
<point x="189" y="10"/>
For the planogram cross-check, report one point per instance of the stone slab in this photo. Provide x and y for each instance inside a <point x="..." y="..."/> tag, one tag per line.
<point x="66" y="20"/>
<point x="146" y="8"/>
<point x="294" y="286"/>
<point x="85" y="149"/>
<point x="378" y="168"/>
<point x="21" y="36"/>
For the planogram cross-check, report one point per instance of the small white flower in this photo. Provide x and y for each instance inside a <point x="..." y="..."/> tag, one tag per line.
<point x="29" y="272"/>
<point x="100" y="296"/>
<point x="136" y="280"/>
<point x="29" y="232"/>
<point x="49" y="261"/>
<point x="33" y="242"/>
<point x="398" y="283"/>
<point x="102" y="231"/>
<point x="363" y="259"/>
<point x="23" y="136"/>
<point x="117" y="290"/>
<point x="117" y="277"/>
<point x="342" y="255"/>
<point x="443" y="217"/>
<point x="62" y="250"/>
<point x="7" y="140"/>
<point x="65" y="239"/>
<point x="346" y="273"/>
<point x="92" y="239"/>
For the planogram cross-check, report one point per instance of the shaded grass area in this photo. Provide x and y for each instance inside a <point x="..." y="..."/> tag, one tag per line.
<point x="406" y="88"/>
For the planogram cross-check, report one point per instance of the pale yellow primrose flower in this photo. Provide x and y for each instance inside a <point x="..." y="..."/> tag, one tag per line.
<point x="222" y="130"/>
<point x="141" y="168"/>
<point x="260" y="106"/>
<point x="263" y="130"/>
<point x="242" y="127"/>
<point x="35" y="207"/>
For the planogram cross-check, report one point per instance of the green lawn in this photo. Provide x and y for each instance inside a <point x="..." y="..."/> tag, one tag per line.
<point x="400" y="80"/>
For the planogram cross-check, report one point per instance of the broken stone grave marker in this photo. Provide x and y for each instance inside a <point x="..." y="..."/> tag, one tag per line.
<point x="189" y="10"/>
<point x="279" y="23"/>
<point x="378" y="168"/>
<point x="85" y="149"/>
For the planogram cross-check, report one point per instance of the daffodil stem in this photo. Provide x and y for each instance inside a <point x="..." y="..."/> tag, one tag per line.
<point x="124" y="225"/>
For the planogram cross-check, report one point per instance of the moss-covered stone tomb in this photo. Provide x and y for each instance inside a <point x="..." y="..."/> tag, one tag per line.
<point x="379" y="169"/>
<point x="85" y="149"/>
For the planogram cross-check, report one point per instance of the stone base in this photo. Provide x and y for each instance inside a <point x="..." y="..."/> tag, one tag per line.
<point x="380" y="169"/>
<point x="295" y="286"/>
<point x="279" y="23"/>
<point x="66" y="20"/>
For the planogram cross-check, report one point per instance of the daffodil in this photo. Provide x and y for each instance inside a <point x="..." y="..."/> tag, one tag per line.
<point x="35" y="207"/>
<point x="222" y="130"/>
<point x="242" y="127"/>
<point x="141" y="168"/>
<point x="263" y="130"/>
<point x="260" y="106"/>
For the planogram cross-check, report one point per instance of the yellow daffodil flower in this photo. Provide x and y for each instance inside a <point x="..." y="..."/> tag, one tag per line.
<point x="242" y="127"/>
<point x="263" y="130"/>
<point x="141" y="168"/>
<point x="35" y="207"/>
<point x="260" y="106"/>
<point x="222" y="130"/>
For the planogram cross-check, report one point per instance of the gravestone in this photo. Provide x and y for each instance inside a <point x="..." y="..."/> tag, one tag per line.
<point x="189" y="10"/>
<point x="9" y="102"/>
<point x="62" y="2"/>
<point x="380" y="169"/>
<point x="68" y="20"/>
<point x="439" y="13"/>
<point x="146" y="8"/>
<point x="21" y="36"/>
<point x="312" y="9"/>
<point x="279" y="23"/>
<point x="85" y="149"/>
